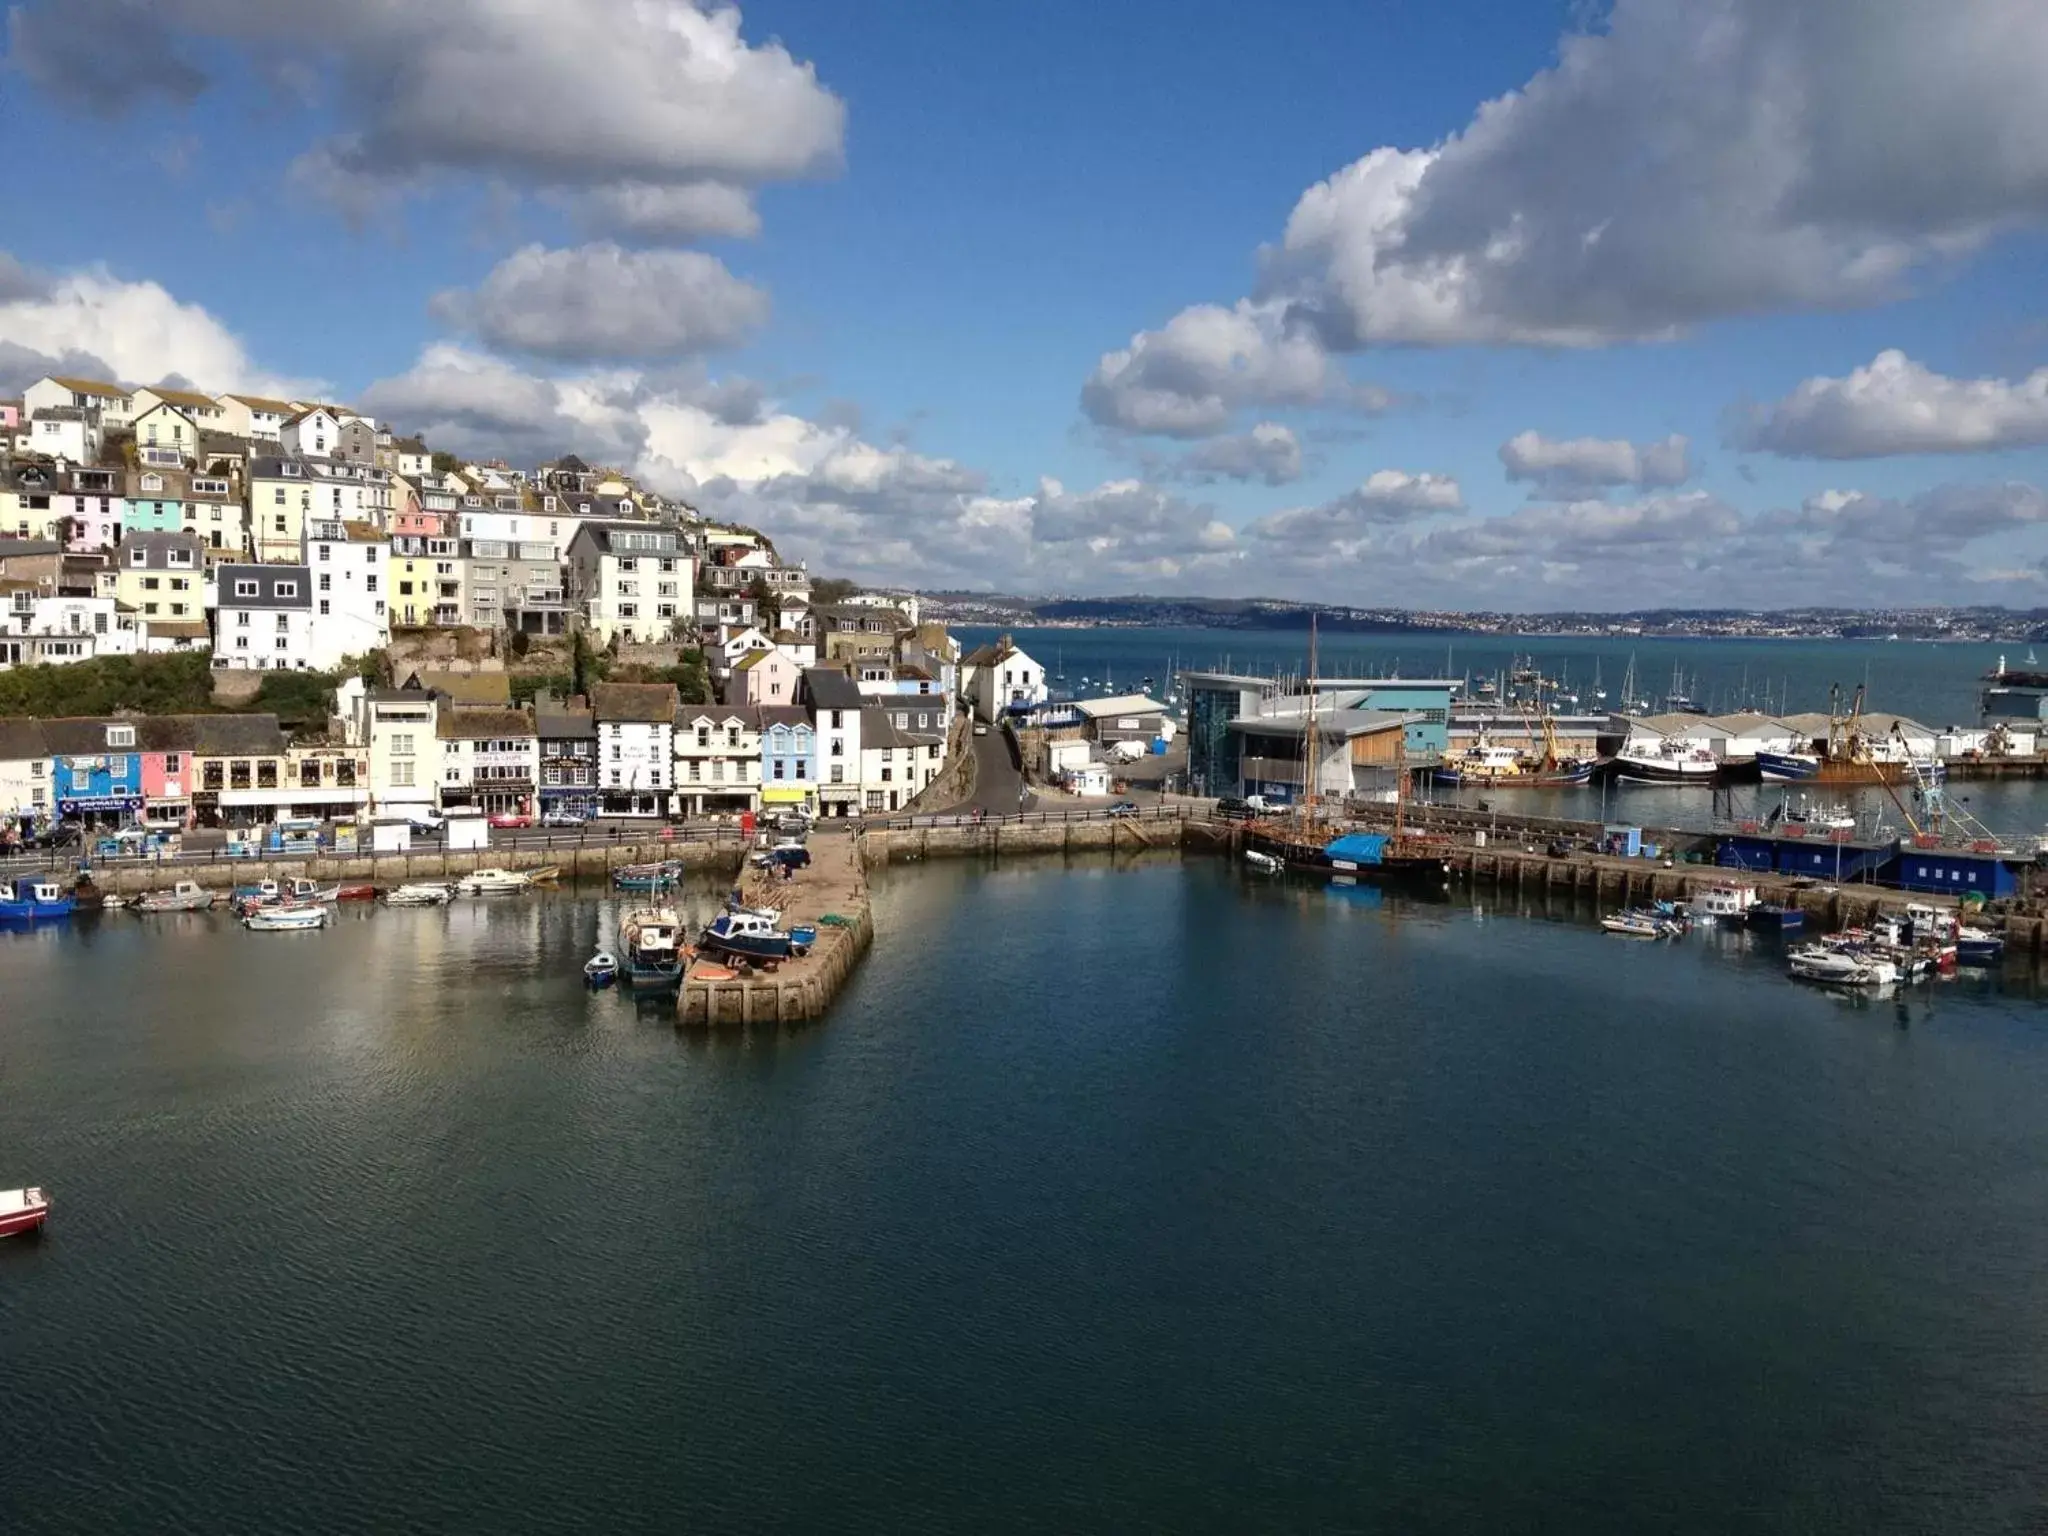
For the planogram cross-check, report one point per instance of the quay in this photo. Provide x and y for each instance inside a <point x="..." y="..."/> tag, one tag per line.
<point x="832" y="894"/>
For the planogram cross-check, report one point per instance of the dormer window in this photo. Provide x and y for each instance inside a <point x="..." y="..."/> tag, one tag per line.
<point x="287" y="589"/>
<point x="152" y="482"/>
<point x="138" y="557"/>
<point x="245" y="588"/>
<point x="120" y="735"/>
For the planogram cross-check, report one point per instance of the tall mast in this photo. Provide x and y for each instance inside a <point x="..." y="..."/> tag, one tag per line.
<point x="1310" y="745"/>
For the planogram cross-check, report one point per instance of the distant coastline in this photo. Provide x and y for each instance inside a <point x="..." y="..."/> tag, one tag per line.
<point x="1956" y="625"/>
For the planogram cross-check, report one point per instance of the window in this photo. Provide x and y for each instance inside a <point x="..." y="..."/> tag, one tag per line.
<point x="778" y="768"/>
<point x="902" y="720"/>
<point x="326" y="552"/>
<point x="401" y="744"/>
<point x="266" y="774"/>
<point x="287" y="589"/>
<point x="283" y="642"/>
<point x="149" y="583"/>
<point x="401" y="775"/>
<point x="874" y="799"/>
<point x="696" y="769"/>
<point x="238" y="775"/>
<point x="242" y="619"/>
<point x="803" y="769"/>
<point x="283" y="622"/>
<point x="242" y="641"/>
<point x="887" y="773"/>
<point x="703" y="735"/>
<point x="838" y="774"/>
<point x="370" y="585"/>
<point x="309" y="774"/>
<point x="326" y="581"/>
<point x="149" y="609"/>
<point x="324" y="607"/>
<point x="120" y="735"/>
<point x="838" y="747"/>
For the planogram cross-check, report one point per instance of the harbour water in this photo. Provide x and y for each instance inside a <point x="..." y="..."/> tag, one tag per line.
<point x="1132" y="1196"/>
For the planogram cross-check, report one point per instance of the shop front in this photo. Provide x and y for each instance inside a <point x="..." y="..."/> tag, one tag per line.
<point x="577" y="799"/>
<point x="789" y="797"/>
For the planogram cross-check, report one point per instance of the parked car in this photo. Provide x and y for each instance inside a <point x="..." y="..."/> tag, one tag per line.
<point x="426" y="823"/>
<point x="562" y="817"/>
<point x="1231" y="808"/>
<point x="1124" y="808"/>
<point x="511" y="819"/>
<point x="980" y="728"/>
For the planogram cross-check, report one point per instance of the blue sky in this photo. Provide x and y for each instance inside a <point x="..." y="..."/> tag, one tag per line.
<point x="1010" y="297"/>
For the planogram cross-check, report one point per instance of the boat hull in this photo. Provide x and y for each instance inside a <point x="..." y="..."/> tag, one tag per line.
<point x="33" y="911"/>
<point x="1631" y="770"/>
<point x="24" y="1223"/>
<point x="1563" y="778"/>
<point x="1804" y="768"/>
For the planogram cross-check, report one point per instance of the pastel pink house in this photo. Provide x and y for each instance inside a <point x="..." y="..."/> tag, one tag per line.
<point x="763" y="677"/>
<point x="10" y="414"/>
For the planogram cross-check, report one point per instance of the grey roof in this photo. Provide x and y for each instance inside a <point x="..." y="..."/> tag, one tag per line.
<point x="269" y="579"/>
<point x="830" y="689"/>
<point x="18" y="547"/>
<point x="601" y="535"/>
<point x="20" y="738"/>
<point x="564" y="724"/>
<point x="878" y="730"/>
<point x="782" y="714"/>
<point x="60" y="413"/>
<point x="1121" y="704"/>
<point x="1334" y="723"/>
<point x="155" y="547"/>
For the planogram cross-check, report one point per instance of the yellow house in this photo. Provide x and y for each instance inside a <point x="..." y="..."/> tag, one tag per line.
<point x="161" y="576"/>
<point x="165" y="428"/>
<point x="280" y="499"/>
<point x="203" y="411"/>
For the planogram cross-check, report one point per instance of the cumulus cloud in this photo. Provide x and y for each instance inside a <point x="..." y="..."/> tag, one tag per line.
<point x="90" y="321"/>
<point x="580" y="94"/>
<point x="1572" y="466"/>
<point x="641" y="210"/>
<point x="474" y="404"/>
<point x="1189" y="378"/>
<point x="1894" y="406"/>
<point x="1348" y="522"/>
<point x="598" y="301"/>
<point x="1686" y="163"/>
<point x="1269" y="452"/>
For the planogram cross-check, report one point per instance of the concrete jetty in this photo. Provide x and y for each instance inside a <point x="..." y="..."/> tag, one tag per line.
<point x="835" y="887"/>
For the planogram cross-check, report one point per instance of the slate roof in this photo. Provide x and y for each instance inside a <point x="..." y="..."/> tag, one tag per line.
<point x="878" y="730"/>
<point x="21" y="738"/>
<point x="564" y="724"/>
<point x="268" y="579"/>
<point x="482" y="724"/>
<point x="646" y="703"/>
<point x="782" y="714"/>
<point x="828" y="688"/>
<point x="260" y="403"/>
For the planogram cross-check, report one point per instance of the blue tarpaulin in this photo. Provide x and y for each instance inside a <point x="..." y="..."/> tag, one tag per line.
<point x="1359" y="848"/>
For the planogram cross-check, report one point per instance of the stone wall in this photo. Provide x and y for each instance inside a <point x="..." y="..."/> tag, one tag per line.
<point x="955" y="783"/>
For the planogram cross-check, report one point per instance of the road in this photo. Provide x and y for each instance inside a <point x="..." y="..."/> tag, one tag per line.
<point x="998" y="783"/>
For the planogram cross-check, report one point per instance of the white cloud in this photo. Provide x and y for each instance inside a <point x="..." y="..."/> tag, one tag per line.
<point x="471" y="403"/>
<point x="132" y="331"/>
<point x="598" y="301"/>
<point x="1269" y="452"/>
<point x="1687" y="163"/>
<point x="1565" y="467"/>
<point x="577" y="94"/>
<point x="1190" y="378"/>
<point x="1895" y="406"/>
<point x="1341" y="526"/>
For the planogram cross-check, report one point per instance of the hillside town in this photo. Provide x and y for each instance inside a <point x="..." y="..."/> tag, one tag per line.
<point x="297" y="536"/>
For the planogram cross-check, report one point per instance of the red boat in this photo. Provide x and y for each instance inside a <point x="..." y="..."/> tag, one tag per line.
<point x="22" y="1210"/>
<point x="361" y="892"/>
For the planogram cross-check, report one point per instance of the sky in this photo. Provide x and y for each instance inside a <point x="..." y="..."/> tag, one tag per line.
<point x="1503" y="304"/>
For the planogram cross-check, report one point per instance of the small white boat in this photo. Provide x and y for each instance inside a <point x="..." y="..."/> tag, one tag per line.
<point x="1641" y="925"/>
<point x="1840" y="967"/>
<point x="499" y="882"/>
<point x="286" y="919"/>
<point x="418" y="896"/>
<point x="601" y="969"/>
<point x="1264" y="863"/>
<point x="185" y="896"/>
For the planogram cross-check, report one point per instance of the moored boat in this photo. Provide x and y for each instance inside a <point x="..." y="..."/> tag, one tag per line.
<point x="23" y="1210"/>
<point x="1672" y="761"/>
<point x="1263" y="863"/>
<point x="494" y="882"/>
<point x="1775" y="917"/>
<point x="601" y="969"/>
<point x="34" y="901"/>
<point x="1979" y="946"/>
<point x="286" y="917"/>
<point x="1840" y="967"/>
<point x="185" y="896"/>
<point x="1638" y="924"/>
<point x="360" y="890"/>
<point x="647" y="877"/>
<point x="418" y="896"/>
<point x="652" y="938"/>
<point x="1728" y="904"/>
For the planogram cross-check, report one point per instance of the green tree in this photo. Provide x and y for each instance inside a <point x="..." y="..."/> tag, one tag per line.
<point x="832" y="589"/>
<point x="445" y="463"/>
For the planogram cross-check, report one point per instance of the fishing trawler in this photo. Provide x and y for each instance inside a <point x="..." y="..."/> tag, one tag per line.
<point x="1850" y="754"/>
<point x="1497" y="765"/>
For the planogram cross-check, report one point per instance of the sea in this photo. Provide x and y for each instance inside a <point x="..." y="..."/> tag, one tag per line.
<point x="1935" y="683"/>
<point x="1115" y="1195"/>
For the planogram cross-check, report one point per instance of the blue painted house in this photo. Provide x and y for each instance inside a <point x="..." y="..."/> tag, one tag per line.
<point x="156" y="501"/>
<point x="789" y="759"/>
<point x="95" y="770"/>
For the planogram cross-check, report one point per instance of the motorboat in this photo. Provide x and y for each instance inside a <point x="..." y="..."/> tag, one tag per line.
<point x="652" y="938"/>
<point x="286" y="917"/>
<point x="185" y="896"/>
<point x="746" y="935"/>
<point x="1979" y="946"/>
<point x="418" y="896"/>
<point x="1641" y="925"/>
<point x="1728" y="904"/>
<point x="601" y="969"/>
<point x="1672" y="760"/>
<point x="360" y="890"/>
<point x="494" y="882"/>
<point x="647" y="877"/>
<point x="1264" y="863"/>
<point x="1840" y="967"/>
<point x="22" y="1211"/>
<point x="34" y="901"/>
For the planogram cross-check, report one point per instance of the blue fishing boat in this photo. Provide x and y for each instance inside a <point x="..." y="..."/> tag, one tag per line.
<point x="746" y="935"/>
<point x="601" y="970"/>
<point x="652" y="938"/>
<point x="34" y="901"/>
<point x="1772" y="917"/>
<point x="647" y="877"/>
<point x="1979" y="946"/>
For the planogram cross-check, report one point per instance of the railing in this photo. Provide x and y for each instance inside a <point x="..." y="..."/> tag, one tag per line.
<point x="1153" y="813"/>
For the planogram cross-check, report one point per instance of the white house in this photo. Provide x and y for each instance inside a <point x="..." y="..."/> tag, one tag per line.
<point x="115" y="404"/>
<point x="162" y="425"/>
<point x="895" y="763"/>
<point x="38" y="629"/>
<point x="630" y="580"/>
<point x="635" y="746"/>
<point x="835" y="705"/>
<point x="253" y="416"/>
<point x="203" y="411"/>
<point x="64" y="432"/>
<point x="490" y="760"/>
<point x="25" y="795"/>
<point x="263" y="618"/>
<point x="718" y="759"/>
<point x="399" y="727"/>
<point x="310" y="434"/>
<point x="347" y="562"/>
<point x="287" y="493"/>
<point x="999" y="675"/>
